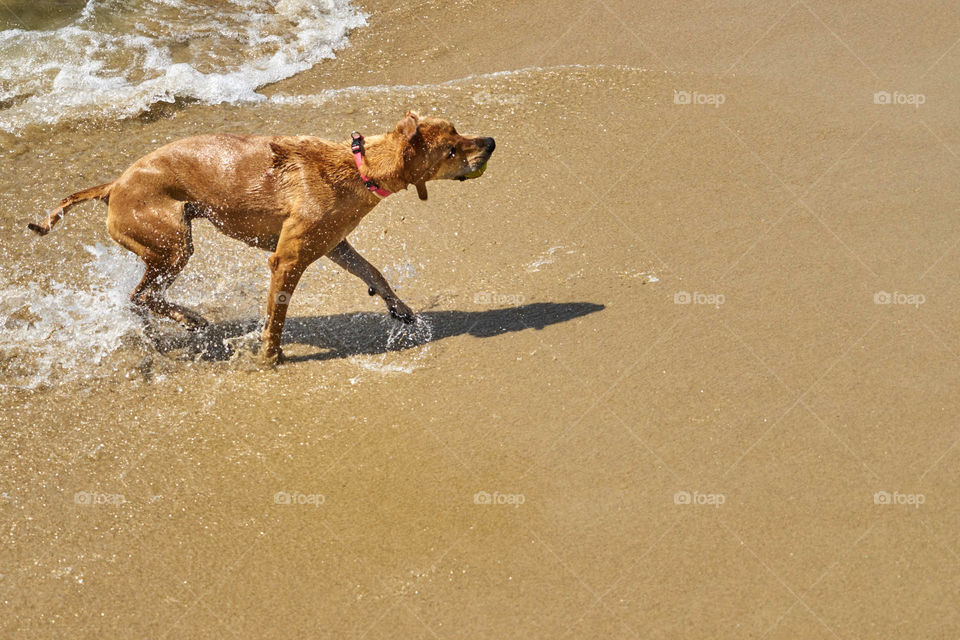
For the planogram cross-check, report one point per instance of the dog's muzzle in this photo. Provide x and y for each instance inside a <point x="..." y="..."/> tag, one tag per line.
<point x="489" y="145"/>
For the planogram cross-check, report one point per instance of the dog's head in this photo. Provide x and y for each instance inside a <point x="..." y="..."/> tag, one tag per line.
<point x="433" y="150"/>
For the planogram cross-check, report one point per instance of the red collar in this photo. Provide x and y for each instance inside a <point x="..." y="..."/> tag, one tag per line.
<point x="356" y="146"/>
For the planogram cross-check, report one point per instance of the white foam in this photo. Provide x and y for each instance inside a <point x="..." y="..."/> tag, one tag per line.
<point x="86" y="331"/>
<point x="400" y="336"/>
<point x="58" y="331"/>
<point x="543" y="259"/>
<point x="118" y="60"/>
<point x="330" y="94"/>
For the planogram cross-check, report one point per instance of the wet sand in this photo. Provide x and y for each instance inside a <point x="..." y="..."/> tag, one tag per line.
<point x="688" y="349"/>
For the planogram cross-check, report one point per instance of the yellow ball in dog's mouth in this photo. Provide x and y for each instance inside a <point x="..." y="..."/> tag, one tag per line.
<point x="477" y="173"/>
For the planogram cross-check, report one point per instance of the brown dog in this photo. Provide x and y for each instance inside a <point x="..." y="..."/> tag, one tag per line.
<point x="298" y="197"/>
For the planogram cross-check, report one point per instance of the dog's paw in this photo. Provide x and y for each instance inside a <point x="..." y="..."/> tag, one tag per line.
<point x="192" y="320"/>
<point x="403" y="313"/>
<point x="197" y="324"/>
<point x="270" y="359"/>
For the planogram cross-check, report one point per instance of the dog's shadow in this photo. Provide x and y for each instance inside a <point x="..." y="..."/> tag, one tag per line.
<point x="349" y="334"/>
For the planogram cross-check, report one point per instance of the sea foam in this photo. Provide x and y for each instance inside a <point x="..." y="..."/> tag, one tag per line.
<point x="116" y="60"/>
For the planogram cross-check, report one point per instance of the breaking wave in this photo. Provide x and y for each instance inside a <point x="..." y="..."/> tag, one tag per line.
<point x="117" y="58"/>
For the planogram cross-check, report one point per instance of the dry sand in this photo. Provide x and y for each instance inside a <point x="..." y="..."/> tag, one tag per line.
<point x="558" y="366"/>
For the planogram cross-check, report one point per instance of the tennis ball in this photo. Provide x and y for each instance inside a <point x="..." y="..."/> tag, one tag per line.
<point x="478" y="172"/>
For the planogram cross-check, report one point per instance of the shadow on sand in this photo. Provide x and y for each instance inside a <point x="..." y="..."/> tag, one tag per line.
<point x="349" y="334"/>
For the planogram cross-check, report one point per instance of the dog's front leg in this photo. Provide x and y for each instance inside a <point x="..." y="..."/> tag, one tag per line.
<point x="287" y="264"/>
<point x="345" y="256"/>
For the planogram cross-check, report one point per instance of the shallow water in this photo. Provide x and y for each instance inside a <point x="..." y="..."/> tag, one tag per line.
<point x="64" y="299"/>
<point x="106" y="59"/>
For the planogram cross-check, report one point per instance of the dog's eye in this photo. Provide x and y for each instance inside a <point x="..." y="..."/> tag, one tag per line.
<point x="452" y="152"/>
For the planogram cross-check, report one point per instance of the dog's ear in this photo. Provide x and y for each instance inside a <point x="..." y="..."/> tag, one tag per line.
<point x="408" y="125"/>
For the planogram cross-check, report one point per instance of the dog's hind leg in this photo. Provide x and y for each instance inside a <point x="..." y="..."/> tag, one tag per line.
<point x="158" y="230"/>
<point x="149" y="294"/>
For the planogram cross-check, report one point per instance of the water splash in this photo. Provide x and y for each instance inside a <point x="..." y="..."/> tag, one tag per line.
<point x="55" y="332"/>
<point x="400" y="337"/>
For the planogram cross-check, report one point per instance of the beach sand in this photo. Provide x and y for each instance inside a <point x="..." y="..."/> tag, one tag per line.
<point x="692" y="329"/>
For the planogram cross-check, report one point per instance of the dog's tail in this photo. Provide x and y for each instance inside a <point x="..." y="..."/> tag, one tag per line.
<point x="100" y="192"/>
